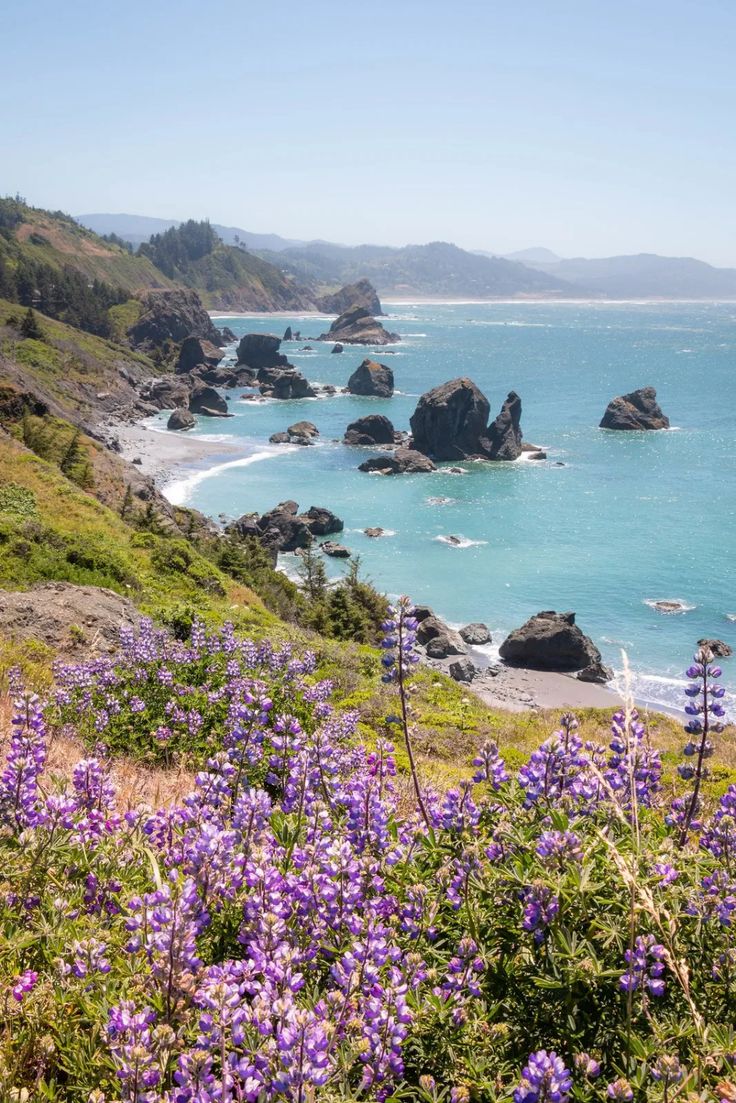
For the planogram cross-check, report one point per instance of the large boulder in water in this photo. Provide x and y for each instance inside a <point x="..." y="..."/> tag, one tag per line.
<point x="284" y="383"/>
<point x="261" y="350"/>
<point x="502" y="441"/>
<point x="205" y="400"/>
<point x="357" y="326"/>
<point x="322" y="521"/>
<point x="450" y="420"/>
<point x="372" y="380"/>
<point x="195" y="351"/>
<point x="550" y="641"/>
<point x="373" y="429"/>
<point x="635" y="411"/>
<point x="362" y="293"/>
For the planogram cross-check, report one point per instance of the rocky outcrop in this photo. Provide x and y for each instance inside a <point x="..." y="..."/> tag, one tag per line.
<point x="181" y="419"/>
<point x="76" y="621"/>
<point x="171" y="315"/>
<point x="261" y="350"/>
<point x="165" y="393"/>
<point x="301" y="432"/>
<point x="718" y="648"/>
<point x="635" y="411"/>
<point x="205" y="400"/>
<point x="284" y="529"/>
<point x="370" y="430"/>
<point x="475" y="634"/>
<point x="462" y="670"/>
<point x="362" y="293"/>
<point x="336" y="348"/>
<point x="404" y="461"/>
<point x="450" y="420"/>
<point x="288" y="334"/>
<point x="357" y="326"/>
<point x="438" y="639"/>
<point x="502" y="441"/>
<point x="336" y="551"/>
<point x="195" y="351"/>
<point x="372" y="380"/>
<point x="550" y="641"/>
<point x="322" y="521"/>
<point x="284" y="383"/>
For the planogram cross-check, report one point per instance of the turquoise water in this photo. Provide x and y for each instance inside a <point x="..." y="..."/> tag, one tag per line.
<point x="629" y="518"/>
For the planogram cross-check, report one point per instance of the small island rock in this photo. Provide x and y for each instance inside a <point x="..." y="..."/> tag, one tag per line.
<point x="205" y="400"/>
<point x="550" y="641"/>
<point x="635" y="411"/>
<point x="404" y="461"/>
<point x="373" y="429"/>
<point x="372" y="379"/>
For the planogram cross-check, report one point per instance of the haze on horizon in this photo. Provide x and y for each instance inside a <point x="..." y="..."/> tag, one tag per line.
<point x="590" y="129"/>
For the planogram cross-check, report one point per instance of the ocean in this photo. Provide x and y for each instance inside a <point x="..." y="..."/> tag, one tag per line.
<point x="627" y="520"/>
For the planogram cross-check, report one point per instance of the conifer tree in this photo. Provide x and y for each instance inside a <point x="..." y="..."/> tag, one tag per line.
<point x="29" y="327"/>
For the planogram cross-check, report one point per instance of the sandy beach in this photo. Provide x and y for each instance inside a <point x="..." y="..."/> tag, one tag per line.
<point x="165" y="456"/>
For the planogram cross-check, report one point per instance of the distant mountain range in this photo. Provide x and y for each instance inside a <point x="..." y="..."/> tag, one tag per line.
<point x="442" y="270"/>
<point x="642" y="275"/>
<point x="137" y="228"/>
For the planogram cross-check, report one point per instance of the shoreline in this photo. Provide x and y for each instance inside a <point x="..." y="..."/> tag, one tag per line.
<point x="173" y="460"/>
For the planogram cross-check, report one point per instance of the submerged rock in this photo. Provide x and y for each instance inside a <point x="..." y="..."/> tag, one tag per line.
<point x="373" y="429"/>
<point x="336" y="348"/>
<point x="374" y="533"/>
<point x="301" y="432"/>
<point x="635" y="411"/>
<point x="718" y="648"/>
<point x="337" y="551"/>
<point x="404" y="461"/>
<point x="372" y="379"/>
<point x="550" y="641"/>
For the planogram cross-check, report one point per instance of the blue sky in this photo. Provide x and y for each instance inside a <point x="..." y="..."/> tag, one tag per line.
<point x="592" y="128"/>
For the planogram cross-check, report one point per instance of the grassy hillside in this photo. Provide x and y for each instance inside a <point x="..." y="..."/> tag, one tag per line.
<point x="55" y="239"/>
<point x="227" y="277"/>
<point x="68" y="367"/>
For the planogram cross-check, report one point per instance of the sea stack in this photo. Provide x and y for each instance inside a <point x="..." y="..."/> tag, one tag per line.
<point x="451" y="423"/>
<point x="635" y="411"/>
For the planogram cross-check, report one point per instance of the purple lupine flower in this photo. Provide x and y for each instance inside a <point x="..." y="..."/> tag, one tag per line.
<point x="646" y="966"/>
<point x="634" y="768"/>
<point x="491" y="767"/>
<point x="399" y="641"/>
<point x="560" y="848"/>
<point x="19" y="793"/>
<point x="706" y="714"/>
<point x="540" y="908"/>
<point x="544" y="1079"/>
<point x="23" y="984"/>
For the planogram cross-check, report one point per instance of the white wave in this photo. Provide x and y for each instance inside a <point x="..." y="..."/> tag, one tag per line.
<point x="731" y="617"/>
<point x="459" y="541"/>
<point x="178" y="491"/>
<point x="440" y="501"/>
<point x="677" y="606"/>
